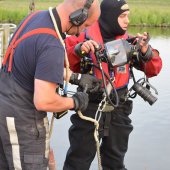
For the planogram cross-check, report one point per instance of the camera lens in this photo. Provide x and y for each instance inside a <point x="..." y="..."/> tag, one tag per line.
<point x="144" y="93"/>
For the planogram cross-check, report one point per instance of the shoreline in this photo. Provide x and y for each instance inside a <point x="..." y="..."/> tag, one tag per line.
<point x="150" y="13"/>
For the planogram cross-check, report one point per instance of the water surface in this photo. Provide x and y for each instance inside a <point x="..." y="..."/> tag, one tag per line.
<point x="149" y="146"/>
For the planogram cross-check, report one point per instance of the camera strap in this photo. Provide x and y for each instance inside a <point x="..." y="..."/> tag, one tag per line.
<point x="133" y="95"/>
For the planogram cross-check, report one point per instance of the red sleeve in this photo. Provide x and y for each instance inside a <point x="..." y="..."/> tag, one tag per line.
<point x="74" y="60"/>
<point x="154" y="66"/>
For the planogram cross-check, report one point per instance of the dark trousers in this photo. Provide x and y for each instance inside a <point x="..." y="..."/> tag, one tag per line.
<point x="24" y="135"/>
<point x="114" y="146"/>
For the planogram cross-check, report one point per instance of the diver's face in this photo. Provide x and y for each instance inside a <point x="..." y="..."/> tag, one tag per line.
<point x="123" y="20"/>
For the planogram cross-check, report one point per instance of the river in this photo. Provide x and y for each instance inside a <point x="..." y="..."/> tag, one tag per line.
<point x="149" y="146"/>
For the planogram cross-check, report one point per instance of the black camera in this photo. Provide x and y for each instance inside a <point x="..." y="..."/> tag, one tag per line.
<point x="120" y="52"/>
<point x="116" y="52"/>
<point x="144" y="92"/>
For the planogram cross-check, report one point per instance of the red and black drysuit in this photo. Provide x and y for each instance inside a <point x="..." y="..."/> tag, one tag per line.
<point x="114" y="131"/>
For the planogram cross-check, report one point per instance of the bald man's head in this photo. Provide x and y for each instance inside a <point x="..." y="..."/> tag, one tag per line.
<point x="79" y="4"/>
<point x="78" y="13"/>
<point x="75" y="4"/>
<point x="79" y="16"/>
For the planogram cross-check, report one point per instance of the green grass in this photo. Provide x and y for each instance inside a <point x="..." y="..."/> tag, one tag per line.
<point x="150" y="12"/>
<point x="143" y="12"/>
<point x="14" y="11"/>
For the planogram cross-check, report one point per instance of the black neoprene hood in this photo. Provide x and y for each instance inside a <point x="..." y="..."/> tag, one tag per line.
<point x="108" y="21"/>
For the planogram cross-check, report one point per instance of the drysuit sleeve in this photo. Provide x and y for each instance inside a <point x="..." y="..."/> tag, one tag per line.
<point x="74" y="59"/>
<point x="153" y="66"/>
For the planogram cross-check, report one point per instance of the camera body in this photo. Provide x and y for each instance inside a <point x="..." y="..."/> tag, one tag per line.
<point x="120" y="52"/>
<point x="116" y="53"/>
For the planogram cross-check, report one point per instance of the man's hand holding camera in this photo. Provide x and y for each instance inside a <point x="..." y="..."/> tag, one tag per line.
<point x="143" y="41"/>
<point x="86" y="47"/>
<point x="145" y="49"/>
<point x="82" y="80"/>
<point x="89" y="46"/>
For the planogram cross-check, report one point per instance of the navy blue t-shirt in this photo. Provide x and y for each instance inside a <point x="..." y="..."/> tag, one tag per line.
<point x="40" y="56"/>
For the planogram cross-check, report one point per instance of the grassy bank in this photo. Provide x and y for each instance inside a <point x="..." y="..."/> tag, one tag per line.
<point x="14" y="11"/>
<point x="150" y="12"/>
<point x="143" y="12"/>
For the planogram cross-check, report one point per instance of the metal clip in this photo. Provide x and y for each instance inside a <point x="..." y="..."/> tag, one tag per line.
<point x="108" y="107"/>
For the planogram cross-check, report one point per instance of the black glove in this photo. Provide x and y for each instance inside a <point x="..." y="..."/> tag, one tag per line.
<point x="147" y="56"/>
<point x="94" y="84"/>
<point x="81" y="101"/>
<point x="78" y="51"/>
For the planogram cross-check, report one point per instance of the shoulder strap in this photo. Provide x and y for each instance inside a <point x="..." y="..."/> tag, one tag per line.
<point x="14" y="43"/>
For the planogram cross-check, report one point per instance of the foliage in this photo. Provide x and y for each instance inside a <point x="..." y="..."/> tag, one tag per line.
<point x="15" y="10"/>
<point x="150" y="13"/>
<point x="143" y="12"/>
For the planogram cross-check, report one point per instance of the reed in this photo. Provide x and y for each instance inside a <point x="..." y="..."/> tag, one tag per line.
<point x="150" y="13"/>
<point x="13" y="11"/>
<point x="143" y="12"/>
